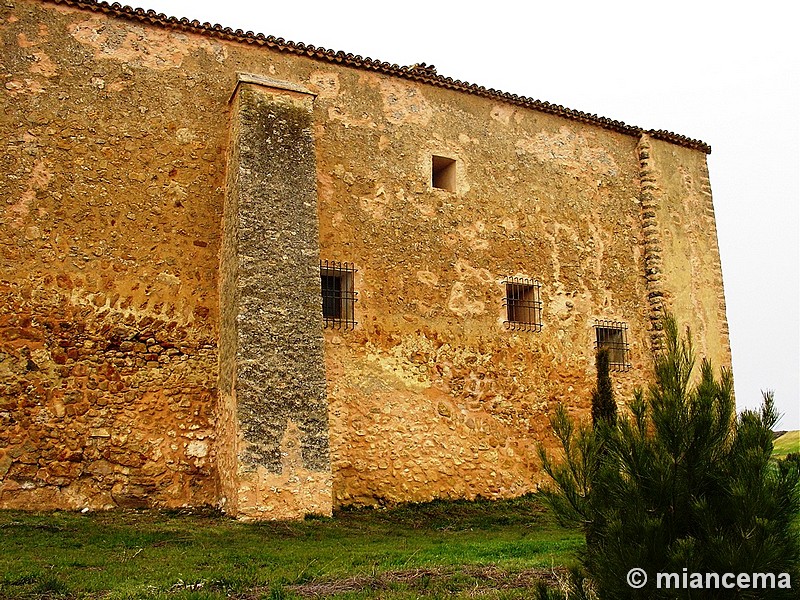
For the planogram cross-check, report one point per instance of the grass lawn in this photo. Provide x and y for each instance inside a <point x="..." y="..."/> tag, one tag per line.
<point x="437" y="549"/>
<point x="789" y="442"/>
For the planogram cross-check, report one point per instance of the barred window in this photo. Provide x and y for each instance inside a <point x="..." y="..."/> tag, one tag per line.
<point x="338" y="294"/>
<point x="613" y="336"/>
<point x="523" y="304"/>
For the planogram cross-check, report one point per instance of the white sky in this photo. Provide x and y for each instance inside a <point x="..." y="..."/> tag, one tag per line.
<point x="723" y="72"/>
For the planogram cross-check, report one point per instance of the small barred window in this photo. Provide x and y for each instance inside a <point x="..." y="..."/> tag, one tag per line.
<point x="523" y="304"/>
<point x="613" y="336"/>
<point x="338" y="294"/>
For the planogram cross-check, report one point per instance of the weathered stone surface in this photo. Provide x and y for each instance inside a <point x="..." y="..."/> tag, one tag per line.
<point x="274" y="370"/>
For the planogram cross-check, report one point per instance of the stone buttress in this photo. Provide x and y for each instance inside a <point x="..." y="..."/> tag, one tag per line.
<point x="273" y="435"/>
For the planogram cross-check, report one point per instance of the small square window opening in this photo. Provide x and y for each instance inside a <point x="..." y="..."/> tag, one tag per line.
<point x="338" y="294"/>
<point x="523" y="304"/>
<point x="613" y="336"/>
<point x="443" y="173"/>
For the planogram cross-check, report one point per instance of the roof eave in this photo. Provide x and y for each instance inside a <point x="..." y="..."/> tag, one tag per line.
<point x="423" y="75"/>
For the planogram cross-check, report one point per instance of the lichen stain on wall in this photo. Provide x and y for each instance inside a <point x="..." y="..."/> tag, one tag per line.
<point x="404" y="102"/>
<point x="570" y="149"/>
<point x="141" y="46"/>
<point x="324" y="83"/>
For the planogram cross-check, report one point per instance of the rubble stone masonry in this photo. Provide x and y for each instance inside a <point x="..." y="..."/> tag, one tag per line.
<point x="161" y="222"/>
<point x="273" y="417"/>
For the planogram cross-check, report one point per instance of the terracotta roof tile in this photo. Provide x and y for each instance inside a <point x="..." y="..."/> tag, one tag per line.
<point x="422" y="72"/>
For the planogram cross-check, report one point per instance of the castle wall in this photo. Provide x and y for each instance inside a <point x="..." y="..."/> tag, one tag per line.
<point x="682" y="252"/>
<point x="431" y="395"/>
<point x="119" y="358"/>
<point x="113" y="168"/>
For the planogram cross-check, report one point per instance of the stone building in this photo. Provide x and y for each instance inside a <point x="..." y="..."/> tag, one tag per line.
<point x="245" y="272"/>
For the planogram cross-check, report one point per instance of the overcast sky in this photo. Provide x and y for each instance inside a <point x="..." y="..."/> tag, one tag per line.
<point x="725" y="73"/>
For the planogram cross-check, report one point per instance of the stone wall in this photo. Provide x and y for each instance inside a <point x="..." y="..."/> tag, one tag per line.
<point x="121" y="365"/>
<point x="691" y="271"/>
<point x="431" y="395"/>
<point x="109" y="237"/>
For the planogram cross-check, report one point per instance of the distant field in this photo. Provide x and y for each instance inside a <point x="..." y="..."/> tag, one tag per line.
<point x="787" y="443"/>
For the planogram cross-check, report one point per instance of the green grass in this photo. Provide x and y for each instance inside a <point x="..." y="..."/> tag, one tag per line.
<point x="434" y="549"/>
<point x="789" y="442"/>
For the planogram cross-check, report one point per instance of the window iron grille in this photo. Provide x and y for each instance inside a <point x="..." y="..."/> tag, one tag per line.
<point x="613" y="336"/>
<point x="338" y="294"/>
<point x="523" y="303"/>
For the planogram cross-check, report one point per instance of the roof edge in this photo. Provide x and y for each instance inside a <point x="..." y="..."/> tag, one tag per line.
<point x="420" y="73"/>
